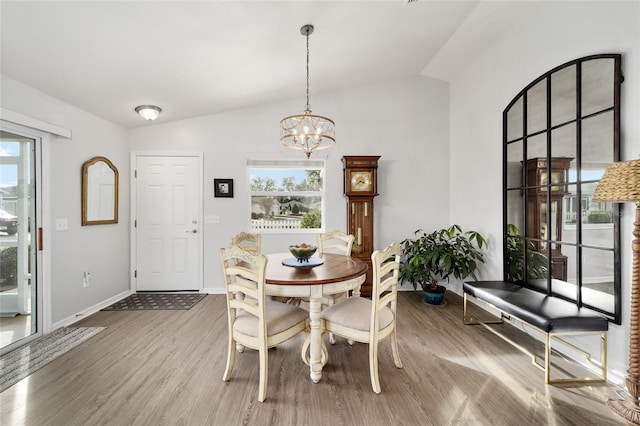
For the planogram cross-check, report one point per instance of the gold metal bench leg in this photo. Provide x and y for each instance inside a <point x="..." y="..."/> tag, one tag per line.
<point x="602" y="365"/>
<point x="547" y="358"/>
<point x="469" y="320"/>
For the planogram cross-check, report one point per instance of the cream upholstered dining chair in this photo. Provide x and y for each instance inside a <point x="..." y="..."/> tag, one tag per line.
<point x="253" y="244"/>
<point x="371" y="321"/>
<point x="255" y="321"/>
<point x="334" y="242"/>
<point x="249" y="242"/>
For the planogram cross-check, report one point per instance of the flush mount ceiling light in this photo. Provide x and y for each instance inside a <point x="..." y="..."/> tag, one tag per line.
<point x="148" y="112"/>
<point x="307" y="131"/>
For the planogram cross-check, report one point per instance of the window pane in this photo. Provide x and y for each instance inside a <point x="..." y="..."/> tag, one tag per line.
<point x="597" y="219"/>
<point x="514" y="121"/>
<point x="515" y="209"/>
<point x="286" y="196"/>
<point x="598" y="279"/>
<point x="597" y="144"/>
<point x="537" y="146"/>
<point x="598" y="234"/>
<point x="515" y="259"/>
<point x="286" y="213"/>
<point x="597" y="85"/>
<point x="285" y="180"/>
<point x="537" y="107"/>
<point x="571" y="210"/>
<point x="571" y="253"/>
<point x="563" y="96"/>
<point x="514" y="165"/>
<point x="563" y="142"/>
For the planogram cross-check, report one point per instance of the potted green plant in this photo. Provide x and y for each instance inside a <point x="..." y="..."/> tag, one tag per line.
<point x="429" y="258"/>
<point x="536" y="261"/>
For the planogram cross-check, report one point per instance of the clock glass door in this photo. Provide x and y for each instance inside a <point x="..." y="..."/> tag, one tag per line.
<point x="361" y="226"/>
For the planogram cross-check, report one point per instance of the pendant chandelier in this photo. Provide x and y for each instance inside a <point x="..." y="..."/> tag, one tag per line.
<point x="307" y="132"/>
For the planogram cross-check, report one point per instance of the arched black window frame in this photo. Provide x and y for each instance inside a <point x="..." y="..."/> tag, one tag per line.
<point x="615" y="315"/>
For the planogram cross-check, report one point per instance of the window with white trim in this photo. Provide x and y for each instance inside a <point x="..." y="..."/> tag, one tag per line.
<point x="286" y="196"/>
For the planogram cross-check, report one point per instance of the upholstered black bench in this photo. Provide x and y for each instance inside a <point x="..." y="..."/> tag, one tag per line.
<point x="552" y="316"/>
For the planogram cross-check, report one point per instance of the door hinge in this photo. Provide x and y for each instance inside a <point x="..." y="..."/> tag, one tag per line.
<point x="135" y="223"/>
<point x="135" y="173"/>
<point x="135" y="273"/>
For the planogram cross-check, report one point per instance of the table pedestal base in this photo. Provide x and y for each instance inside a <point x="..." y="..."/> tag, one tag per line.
<point x="315" y="349"/>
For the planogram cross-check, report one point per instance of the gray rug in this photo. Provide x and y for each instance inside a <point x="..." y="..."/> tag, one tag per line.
<point x="156" y="301"/>
<point x="18" y="364"/>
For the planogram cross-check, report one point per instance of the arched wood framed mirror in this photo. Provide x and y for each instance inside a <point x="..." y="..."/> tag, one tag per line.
<point x="559" y="134"/>
<point x="99" y="192"/>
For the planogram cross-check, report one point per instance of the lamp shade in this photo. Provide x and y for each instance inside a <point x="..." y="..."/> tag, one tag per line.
<point x="148" y="112"/>
<point x="620" y="183"/>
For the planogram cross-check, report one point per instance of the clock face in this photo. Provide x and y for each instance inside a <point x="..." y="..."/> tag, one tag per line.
<point x="361" y="181"/>
<point x="556" y="179"/>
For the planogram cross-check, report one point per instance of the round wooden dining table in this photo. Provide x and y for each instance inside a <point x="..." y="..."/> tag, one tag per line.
<point x="338" y="274"/>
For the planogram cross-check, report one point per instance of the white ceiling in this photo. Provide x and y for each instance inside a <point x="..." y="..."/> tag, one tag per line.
<point x="195" y="58"/>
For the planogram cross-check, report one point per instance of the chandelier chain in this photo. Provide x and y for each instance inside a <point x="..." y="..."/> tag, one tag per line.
<point x="308" y="106"/>
<point x="307" y="132"/>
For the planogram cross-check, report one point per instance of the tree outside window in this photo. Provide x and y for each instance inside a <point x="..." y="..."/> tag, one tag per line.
<point x="286" y="196"/>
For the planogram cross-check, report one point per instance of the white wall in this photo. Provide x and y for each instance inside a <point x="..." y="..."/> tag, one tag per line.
<point x="101" y="250"/>
<point x="564" y="31"/>
<point x="405" y="121"/>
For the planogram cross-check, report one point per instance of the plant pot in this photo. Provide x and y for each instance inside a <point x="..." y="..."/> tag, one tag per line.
<point x="434" y="297"/>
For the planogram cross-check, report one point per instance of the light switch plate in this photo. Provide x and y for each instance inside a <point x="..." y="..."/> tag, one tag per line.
<point x="212" y="219"/>
<point x="62" y="224"/>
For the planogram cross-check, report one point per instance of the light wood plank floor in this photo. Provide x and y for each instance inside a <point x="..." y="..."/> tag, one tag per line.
<point x="165" y="368"/>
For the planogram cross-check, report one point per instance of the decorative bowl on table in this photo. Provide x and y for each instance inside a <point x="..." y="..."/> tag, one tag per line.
<point x="302" y="252"/>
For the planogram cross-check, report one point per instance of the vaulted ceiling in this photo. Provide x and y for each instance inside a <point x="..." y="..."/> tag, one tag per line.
<point x="194" y="58"/>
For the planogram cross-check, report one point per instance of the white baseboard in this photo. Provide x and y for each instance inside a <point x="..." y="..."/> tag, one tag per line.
<point x="213" y="290"/>
<point x="90" y="310"/>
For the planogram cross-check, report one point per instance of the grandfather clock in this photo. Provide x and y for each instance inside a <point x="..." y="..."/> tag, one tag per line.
<point x="360" y="188"/>
<point x="544" y="202"/>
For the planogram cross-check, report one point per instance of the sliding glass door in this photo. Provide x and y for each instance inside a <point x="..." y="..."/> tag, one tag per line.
<point x="19" y="294"/>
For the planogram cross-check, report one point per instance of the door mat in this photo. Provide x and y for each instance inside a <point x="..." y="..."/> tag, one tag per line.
<point x="19" y="363"/>
<point x="156" y="302"/>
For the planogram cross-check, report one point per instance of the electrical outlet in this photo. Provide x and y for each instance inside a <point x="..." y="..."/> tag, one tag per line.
<point x="86" y="279"/>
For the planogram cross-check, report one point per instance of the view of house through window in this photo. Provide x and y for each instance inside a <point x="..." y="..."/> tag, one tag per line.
<point x="590" y="212"/>
<point x="286" y="196"/>
<point x="18" y="261"/>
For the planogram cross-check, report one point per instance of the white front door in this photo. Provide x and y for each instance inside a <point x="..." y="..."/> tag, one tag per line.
<point x="167" y="222"/>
